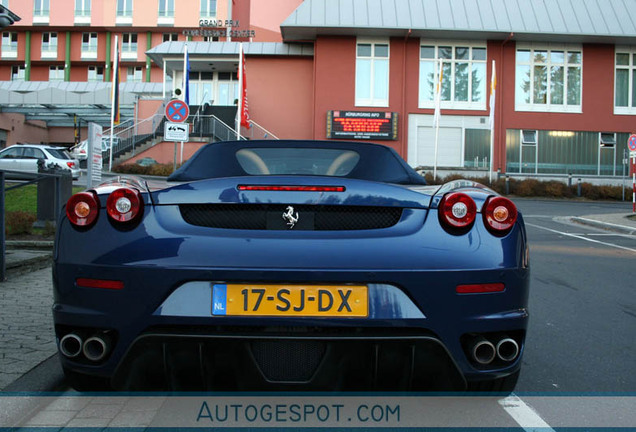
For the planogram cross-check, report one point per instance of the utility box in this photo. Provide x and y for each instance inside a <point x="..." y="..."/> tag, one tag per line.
<point x="48" y="209"/>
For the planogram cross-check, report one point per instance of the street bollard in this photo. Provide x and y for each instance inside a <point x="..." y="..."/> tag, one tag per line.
<point x="507" y="184"/>
<point x="578" y="188"/>
<point x="570" y="180"/>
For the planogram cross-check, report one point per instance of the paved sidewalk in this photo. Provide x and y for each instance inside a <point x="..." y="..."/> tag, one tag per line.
<point x="619" y="222"/>
<point x="26" y="323"/>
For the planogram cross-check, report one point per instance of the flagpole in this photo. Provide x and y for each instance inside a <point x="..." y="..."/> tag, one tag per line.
<point x="112" y="106"/>
<point x="493" y="86"/>
<point x="239" y="107"/>
<point x="438" y="114"/>
<point x="186" y="92"/>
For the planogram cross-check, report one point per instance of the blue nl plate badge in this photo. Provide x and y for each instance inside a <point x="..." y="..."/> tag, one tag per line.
<point x="219" y="299"/>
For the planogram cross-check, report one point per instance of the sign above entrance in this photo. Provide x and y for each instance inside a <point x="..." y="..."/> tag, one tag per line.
<point x="362" y="125"/>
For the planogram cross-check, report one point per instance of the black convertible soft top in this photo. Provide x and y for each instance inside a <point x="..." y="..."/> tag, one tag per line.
<point x="229" y="159"/>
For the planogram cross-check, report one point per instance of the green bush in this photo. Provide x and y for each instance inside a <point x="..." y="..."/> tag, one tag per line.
<point x="19" y="222"/>
<point x="536" y="188"/>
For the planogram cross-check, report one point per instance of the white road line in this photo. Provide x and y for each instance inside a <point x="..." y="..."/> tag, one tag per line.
<point x="524" y="414"/>
<point x="583" y="238"/>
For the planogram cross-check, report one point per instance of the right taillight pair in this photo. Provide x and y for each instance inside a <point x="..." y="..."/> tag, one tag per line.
<point x="457" y="212"/>
<point x="123" y="205"/>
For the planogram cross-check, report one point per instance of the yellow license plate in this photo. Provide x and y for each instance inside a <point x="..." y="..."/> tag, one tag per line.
<point x="290" y="300"/>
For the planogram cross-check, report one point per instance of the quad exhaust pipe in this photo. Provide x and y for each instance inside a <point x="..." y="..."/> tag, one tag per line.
<point x="71" y="345"/>
<point x="507" y="349"/>
<point x="484" y="351"/>
<point x="95" y="348"/>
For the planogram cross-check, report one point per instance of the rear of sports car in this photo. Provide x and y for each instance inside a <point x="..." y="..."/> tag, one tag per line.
<point x="291" y="283"/>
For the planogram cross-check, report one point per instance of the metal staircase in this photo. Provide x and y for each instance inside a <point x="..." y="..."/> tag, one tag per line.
<point x="134" y="138"/>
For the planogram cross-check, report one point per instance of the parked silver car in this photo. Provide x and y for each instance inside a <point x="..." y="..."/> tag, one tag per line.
<point x="24" y="158"/>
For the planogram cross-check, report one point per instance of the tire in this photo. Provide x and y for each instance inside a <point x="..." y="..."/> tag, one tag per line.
<point x="505" y="385"/>
<point x="86" y="383"/>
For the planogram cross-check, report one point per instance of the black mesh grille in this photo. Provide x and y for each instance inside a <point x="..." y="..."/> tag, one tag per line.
<point x="289" y="360"/>
<point x="262" y="217"/>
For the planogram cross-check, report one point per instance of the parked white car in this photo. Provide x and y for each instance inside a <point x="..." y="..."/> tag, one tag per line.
<point x="80" y="151"/>
<point x="24" y="158"/>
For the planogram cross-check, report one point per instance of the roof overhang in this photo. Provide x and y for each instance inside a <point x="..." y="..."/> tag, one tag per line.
<point x="219" y="56"/>
<point x="527" y="20"/>
<point x="59" y="104"/>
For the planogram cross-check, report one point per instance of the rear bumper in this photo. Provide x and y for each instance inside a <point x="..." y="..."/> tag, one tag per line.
<point x="424" y="329"/>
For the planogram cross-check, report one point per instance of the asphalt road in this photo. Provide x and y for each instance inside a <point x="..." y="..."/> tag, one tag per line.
<point x="582" y="301"/>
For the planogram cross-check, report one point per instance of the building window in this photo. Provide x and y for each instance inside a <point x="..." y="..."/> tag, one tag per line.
<point x="56" y="73"/>
<point x="17" y="73"/>
<point x="170" y="37"/>
<point x="166" y="8"/>
<point x="548" y="79"/>
<point x="625" y="81"/>
<point x="82" y="11"/>
<point x="95" y="74"/>
<point x="208" y="8"/>
<point x="210" y="38"/>
<point x="129" y="46"/>
<point x="89" y="46"/>
<point x="49" y="45"/>
<point x="9" y="45"/>
<point x="372" y="73"/>
<point x="463" y="75"/>
<point x="124" y="8"/>
<point x="134" y="74"/>
<point x="40" y="11"/>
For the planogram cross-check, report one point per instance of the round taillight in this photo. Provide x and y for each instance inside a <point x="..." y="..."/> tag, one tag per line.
<point x="500" y="214"/>
<point x="82" y="209"/>
<point x="124" y="205"/>
<point x="457" y="210"/>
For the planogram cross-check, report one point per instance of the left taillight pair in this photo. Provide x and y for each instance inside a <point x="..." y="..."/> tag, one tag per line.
<point x="458" y="211"/>
<point x="123" y="205"/>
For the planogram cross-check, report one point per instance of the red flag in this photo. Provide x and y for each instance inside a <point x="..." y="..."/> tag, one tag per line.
<point x="245" y="114"/>
<point x="115" y="107"/>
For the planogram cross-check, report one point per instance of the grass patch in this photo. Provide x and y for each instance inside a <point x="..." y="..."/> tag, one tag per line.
<point x="21" y="207"/>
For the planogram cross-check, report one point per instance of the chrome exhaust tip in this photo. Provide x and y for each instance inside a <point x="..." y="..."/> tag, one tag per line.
<point x="507" y="349"/>
<point x="483" y="351"/>
<point x="71" y="345"/>
<point x="95" y="348"/>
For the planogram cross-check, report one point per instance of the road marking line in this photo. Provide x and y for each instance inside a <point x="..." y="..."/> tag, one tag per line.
<point x="583" y="238"/>
<point x="524" y="414"/>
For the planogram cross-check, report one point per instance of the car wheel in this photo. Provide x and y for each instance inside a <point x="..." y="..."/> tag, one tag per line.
<point x="505" y="385"/>
<point x="86" y="383"/>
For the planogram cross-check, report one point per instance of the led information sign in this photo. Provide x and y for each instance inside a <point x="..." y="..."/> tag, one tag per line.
<point x="362" y="125"/>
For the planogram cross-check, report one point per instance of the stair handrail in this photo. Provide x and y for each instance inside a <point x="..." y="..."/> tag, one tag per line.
<point x="264" y="131"/>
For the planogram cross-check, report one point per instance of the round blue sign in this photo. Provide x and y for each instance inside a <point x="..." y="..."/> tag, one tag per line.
<point x="631" y="142"/>
<point x="177" y="111"/>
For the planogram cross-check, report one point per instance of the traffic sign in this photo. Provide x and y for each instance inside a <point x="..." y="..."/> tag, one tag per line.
<point x="631" y="142"/>
<point x="177" y="111"/>
<point x="176" y="132"/>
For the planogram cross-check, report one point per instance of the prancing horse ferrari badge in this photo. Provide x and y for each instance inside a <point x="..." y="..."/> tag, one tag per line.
<point x="289" y="217"/>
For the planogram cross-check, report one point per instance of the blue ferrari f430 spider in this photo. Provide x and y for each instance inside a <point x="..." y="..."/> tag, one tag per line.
<point x="291" y="265"/>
